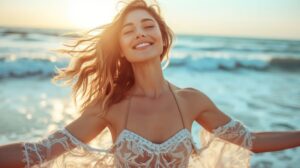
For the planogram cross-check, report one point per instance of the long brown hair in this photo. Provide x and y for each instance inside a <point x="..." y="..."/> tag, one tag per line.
<point x="97" y="72"/>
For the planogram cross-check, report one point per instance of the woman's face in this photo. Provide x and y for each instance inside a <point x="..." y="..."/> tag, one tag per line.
<point x="140" y="37"/>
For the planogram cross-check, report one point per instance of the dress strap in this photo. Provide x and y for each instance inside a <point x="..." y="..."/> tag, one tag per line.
<point x="127" y="111"/>
<point x="176" y="104"/>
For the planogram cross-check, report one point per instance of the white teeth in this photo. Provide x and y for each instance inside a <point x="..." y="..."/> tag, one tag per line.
<point x="142" y="45"/>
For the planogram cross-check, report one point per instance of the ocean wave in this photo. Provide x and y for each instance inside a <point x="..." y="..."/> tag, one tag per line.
<point x="26" y="67"/>
<point x="286" y="63"/>
<point x="211" y="63"/>
<point x="235" y="48"/>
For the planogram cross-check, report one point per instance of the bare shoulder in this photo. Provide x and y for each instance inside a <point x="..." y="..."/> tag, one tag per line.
<point x="202" y="108"/>
<point x="116" y="114"/>
<point x="116" y="108"/>
<point x="194" y="100"/>
<point x="88" y="125"/>
<point x="91" y="114"/>
<point x="191" y="94"/>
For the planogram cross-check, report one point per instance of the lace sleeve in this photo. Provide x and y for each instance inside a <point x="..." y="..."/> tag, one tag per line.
<point x="56" y="144"/>
<point x="235" y="132"/>
<point x="227" y="146"/>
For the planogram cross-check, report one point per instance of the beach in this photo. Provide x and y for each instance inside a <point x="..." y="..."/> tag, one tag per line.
<point x="253" y="80"/>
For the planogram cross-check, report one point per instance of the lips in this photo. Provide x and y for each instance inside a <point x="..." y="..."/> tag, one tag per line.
<point x="142" y="45"/>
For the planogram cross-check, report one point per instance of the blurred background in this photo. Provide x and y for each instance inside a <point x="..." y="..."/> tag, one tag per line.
<point x="245" y="55"/>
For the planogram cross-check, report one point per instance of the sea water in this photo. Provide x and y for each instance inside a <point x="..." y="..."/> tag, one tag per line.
<point x="256" y="81"/>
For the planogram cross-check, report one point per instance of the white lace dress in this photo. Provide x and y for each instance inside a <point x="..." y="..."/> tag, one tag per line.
<point x="62" y="149"/>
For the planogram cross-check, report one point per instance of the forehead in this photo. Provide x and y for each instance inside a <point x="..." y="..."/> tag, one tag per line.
<point x="136" y="16"/>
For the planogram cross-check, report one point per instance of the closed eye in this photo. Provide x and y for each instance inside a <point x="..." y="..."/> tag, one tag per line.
<point x="148" y="27"/>
<point x="128" y="32"/>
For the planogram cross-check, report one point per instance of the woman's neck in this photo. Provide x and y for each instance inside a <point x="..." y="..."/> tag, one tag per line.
<point x="149" y="80"/>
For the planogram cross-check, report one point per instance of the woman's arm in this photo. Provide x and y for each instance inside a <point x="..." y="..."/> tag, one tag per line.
<point x="11" y="155"/>
<point x="85" y="128"/>
<point x="213" y="120"/>
<point x="274" y="141"/>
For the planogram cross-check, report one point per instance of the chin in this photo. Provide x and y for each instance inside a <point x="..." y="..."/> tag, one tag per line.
<point x="144" y="58"/>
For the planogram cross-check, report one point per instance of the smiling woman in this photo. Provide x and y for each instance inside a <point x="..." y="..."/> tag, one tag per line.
<point x="117" y="76"/>
<point x="90" y="13"/>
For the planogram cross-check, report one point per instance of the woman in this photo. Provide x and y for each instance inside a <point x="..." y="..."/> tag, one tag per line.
<point x="119" y="80"/>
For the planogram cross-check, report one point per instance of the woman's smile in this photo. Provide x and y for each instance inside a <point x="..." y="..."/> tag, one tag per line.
<point x="142" y="46"/>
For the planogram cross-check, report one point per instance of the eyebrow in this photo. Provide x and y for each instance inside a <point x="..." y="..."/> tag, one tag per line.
<point x="143" y="20"/>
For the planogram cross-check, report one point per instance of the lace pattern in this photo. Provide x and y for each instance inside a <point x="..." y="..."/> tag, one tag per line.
<point x="235" y="131"/>
<point x="228" y="146"/>
<point x="62" y="149"/>
<point x="54" y="145"/>
<point x="133" y="150"/>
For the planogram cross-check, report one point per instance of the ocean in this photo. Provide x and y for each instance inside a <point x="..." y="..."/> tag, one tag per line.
<point x="254" y="80"/>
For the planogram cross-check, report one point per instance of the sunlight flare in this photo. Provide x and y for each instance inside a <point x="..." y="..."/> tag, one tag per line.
<point x="90" y="13"/>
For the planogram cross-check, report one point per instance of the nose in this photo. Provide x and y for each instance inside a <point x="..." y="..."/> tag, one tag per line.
<point x="139" y="36"/>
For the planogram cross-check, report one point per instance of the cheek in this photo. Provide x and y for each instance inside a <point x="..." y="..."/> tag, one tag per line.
<point x="160" y="43"/>
<point x="124" y="43"/>
<point x="159" y="37"/>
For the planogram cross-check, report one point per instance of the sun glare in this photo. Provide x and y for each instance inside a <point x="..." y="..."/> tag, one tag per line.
<point x="90" y="13"/>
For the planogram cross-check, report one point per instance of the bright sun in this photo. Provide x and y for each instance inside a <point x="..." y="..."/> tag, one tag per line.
<point x="90" y="13"/>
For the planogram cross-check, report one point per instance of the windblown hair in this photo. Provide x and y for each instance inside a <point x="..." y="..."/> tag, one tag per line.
<point x="97" y="72"/>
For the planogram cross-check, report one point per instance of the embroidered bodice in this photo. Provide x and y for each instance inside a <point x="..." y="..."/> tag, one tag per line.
<point x="130" y="150"/>
<point x="134" y="150"/>
<point x="62" y="149"/>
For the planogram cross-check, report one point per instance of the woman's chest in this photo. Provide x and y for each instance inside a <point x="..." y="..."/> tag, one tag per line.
<point x="155" y="120"/>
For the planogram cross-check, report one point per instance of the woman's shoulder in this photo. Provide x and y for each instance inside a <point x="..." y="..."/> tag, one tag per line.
<point x="193" y="100"/>
<point x="189" y="93"/>
<point x="116" y="112"/>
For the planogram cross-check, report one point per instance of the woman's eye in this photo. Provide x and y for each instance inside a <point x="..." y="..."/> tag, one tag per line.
<point x="127" y="32"/>
<point x="148" y="27"/>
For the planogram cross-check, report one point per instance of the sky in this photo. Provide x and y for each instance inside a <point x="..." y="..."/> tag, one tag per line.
<point x="243" y="18"/>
